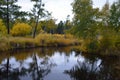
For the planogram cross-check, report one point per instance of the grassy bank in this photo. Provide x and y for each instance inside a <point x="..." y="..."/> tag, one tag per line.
<point x="42" y="40"/>
<point x="105" y="45"/>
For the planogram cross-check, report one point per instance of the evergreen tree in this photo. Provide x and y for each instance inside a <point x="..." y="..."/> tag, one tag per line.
<point x="9" y="11"/>
<point x="60" y="27"/>
<point x="114" y="18"/>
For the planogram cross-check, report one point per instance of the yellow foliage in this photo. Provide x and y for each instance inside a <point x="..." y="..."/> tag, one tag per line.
<point x="3" y="29"/>
<point x="56" y="40"/>
<point x="21" y="29"/>
<point x="39" y="29"/>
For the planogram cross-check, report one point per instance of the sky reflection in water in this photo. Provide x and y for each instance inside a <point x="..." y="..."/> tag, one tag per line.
<point x="58" y="65"/>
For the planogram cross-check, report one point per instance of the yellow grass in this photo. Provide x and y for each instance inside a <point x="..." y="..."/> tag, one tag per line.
<point x="41" y="40"/>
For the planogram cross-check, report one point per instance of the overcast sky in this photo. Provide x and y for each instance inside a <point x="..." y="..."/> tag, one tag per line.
<point x="59" y="8"/>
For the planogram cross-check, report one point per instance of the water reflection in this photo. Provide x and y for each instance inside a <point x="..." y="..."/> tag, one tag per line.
<point x="32" y="67"/>
<point x="56" y="64"/>
<point x="94" y="70"/>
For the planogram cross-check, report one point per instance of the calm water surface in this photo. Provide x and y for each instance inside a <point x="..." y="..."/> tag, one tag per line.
<point x="57" y="64"/>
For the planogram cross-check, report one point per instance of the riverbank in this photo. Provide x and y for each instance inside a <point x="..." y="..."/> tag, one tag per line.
<point x="99" y="48"/>
<point x="42" y="40"/>
<point x="102" y="47"/>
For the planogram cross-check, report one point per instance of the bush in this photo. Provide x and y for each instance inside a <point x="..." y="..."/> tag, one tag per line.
<point x="93" y="46"/>
<point x="3" y="29"/>
<point x="109" y="38"/>
<point x="21" y="29"/>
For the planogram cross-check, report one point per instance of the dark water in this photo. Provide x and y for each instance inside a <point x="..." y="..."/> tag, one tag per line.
<point x="57" y="64"/>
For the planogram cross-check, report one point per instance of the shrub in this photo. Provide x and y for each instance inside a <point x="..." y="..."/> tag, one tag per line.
<point x="93" y="46"/>
<point x="3" y="29"/>
<point x="109" y="38"/>
<point x="21" y="29"/>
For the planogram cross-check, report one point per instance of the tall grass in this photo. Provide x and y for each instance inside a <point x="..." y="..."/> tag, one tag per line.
<point x="107" y="43"/>
<point x="41" y="40"/>
<point x="56" y="40"/>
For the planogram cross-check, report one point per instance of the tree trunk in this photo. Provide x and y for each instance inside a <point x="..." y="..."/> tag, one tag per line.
<point x="35" y="29"/>
<point x="7" y="68"/>
<point x="8" y="26"/>
<point x="37" y="20"/>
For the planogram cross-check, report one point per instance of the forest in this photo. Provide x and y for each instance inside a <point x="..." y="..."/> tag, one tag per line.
<point x="91" y="30"/>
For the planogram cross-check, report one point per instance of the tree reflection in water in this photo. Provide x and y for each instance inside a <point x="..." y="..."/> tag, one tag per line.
<point x="35" y="68"/>
<point x="50" y="64"/>
<point x="91" y="70"/>
<point x="85" y="70"/>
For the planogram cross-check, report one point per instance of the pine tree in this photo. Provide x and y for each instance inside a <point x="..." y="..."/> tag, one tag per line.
<point x="114" y="18"/>
<point x="9" y="11"/>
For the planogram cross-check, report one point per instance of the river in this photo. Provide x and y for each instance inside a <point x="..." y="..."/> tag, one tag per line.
<point x="57" y="64"/>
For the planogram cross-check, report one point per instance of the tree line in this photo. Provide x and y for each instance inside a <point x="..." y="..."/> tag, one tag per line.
<point x="98" y="28"/>
<point x="87" y="21"/>
<point x="10" y="15"/>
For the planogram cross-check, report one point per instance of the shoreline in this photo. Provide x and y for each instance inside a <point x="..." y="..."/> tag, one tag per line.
<point x="43" y="40"/>
<point x="54" y="40"/>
